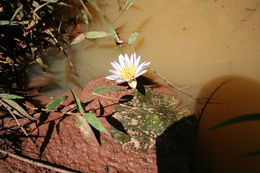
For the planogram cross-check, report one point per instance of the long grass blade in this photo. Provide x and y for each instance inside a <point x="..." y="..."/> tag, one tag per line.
<point x="240" y="119"/>
<point x="128" y="4"/>
<point x="78" y="103"/>
<point x="10" y="96"/>
<point x="18" y="108"/>
<point x="56" y="102"/>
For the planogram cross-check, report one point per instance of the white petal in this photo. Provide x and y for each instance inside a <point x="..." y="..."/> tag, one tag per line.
<point x="132" y="61"/>
<point x="140" y="68"/>
<point x="136" y="63"/>
<point x="114" y="72"/>
<point x="121" y="60"/>
<point x="116" y="66"/>
<point x="141" y="73"/>
<point x="112" y="77"/>
<point x="120" y="80"/>
<point x="127" y="60"/>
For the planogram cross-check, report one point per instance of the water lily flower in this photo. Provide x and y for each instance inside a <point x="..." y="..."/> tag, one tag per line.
<point x="128" y="69"/>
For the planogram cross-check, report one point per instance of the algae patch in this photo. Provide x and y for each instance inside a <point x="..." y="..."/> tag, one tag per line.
<point x="145" y="117"/>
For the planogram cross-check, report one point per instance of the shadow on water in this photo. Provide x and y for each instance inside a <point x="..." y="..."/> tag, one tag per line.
<point x="222" y="150"/>
<point x="174" y="147"/>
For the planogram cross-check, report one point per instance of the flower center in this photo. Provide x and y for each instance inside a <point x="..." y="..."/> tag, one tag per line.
<point x="128" y="72"/>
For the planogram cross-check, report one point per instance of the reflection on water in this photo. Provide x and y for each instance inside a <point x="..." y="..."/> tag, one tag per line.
<point x="222" y="149"/>
<point x="188" y="42"/>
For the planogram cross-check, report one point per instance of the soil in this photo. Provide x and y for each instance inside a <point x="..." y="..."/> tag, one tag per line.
<point x="56" y="140"/>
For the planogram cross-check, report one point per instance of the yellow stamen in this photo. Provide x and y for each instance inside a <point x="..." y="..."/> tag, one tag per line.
<point x="128" y="72"/>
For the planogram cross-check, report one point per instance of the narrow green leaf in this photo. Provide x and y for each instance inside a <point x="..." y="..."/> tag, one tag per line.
<point x="7" y="22"/>
<point x="41" y="63"/>
<point x="78" y="39"/>
<point x="240" y="119"/>
<point x="78" y="103"/>
<point x="128" y="4"/>
<point x="133" y="37"/>
<point x="9" y="96"/>
<point x="97" y="34"/>
<point x="114" y="34"/>
<point x="18" y="108"/>
<point x="84" y="16"/>
<point x="105" y="89"/>
<point x="35" y="4"/>
<point x="94" y="121"/>
<point x="253" y="153"/>
<point x="16" y="12"/>
<point x="56" y="102"/>
<point x="95" y="6"/>
<point x="83" y="125"/>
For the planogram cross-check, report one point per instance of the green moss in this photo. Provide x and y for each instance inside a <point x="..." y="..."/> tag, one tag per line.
<point x="145" y="117"/>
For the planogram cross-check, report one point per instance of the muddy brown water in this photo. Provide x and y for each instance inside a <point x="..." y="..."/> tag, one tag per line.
<point x="193" y="43"/>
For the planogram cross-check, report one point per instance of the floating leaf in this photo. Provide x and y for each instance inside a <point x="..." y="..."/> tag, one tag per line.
<point x="133" y="37"/>
<point x="78" y="39"/>
<point x="94" y="121"/>
<point x="240" y="119"/>
<point x="97" y="34"/>
<point x="18" y="108"/>
<point x="83" y="125"/>
<point x="105" y="89"/>
<point x="56" y="102"/>
<point x="128" y="4"/>
<point x="78" y="103"/>
<point x="9" y="96"/>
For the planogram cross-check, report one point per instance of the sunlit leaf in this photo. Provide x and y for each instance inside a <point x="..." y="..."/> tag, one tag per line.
<point x="41" y="63"/>
<point x="94" y="121"/>
<point x="16" y="12"/>
<point x="78" y="103"/>
<point x="128" y="4"/>
<point x="240" y="119"/>
<point x="253" y="153"/>
<point x="78" y="39"/>
<point x="97" y="34"/>
<point x="133" y="37"/>
<point x="56" y="102"/>
<point x="84" y="16"/>
<point x="35" y="4"/>
<point x="7" y="22"/>
<point x="105" y="89"/>
<point x="83" y="125"/>
<point x="18" y="108"/>
<point x="9" y="96"/>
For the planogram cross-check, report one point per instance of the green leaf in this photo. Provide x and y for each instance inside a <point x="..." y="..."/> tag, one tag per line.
<point x="7" y="22"/>
<point x="114" y="34"/>
<point x="95" y="6"/>
<point x="94" y="121"/>
<point x="133" y="37"/>
<point x="240" y="119"/>
<point x="56" y="102"/>
<point x="78" y="103"/>
<point x="18" y="108"/>
<point x="128" y="4"/>
<point x="16" y="12"/>
<point x="41" y="63"/>
<point x="9" y="96"/>
<point x="78" y="39"/>
<point x="83" y="125"/>
<point x="253" y="153"/>
<point x="84" y="16"/>
<point x="97" y="34"/>
<point x="105" y="89"/>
